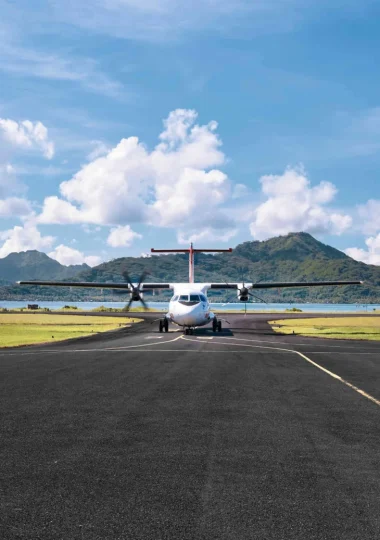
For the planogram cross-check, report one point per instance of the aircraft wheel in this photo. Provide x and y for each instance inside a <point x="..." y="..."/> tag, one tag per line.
<point x="219" y="326"/>
<point x="191" y="331"/>
<point x="186" y="331"/>
<point x="161" y="326"/>
<point x="214" y="325"/>
<point x="166" y="325"/>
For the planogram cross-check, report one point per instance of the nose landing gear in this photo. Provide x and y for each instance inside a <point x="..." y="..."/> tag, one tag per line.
<point x="164" y="325"/>
<point x="216" y="325"/>
<point x="189" y="331"/>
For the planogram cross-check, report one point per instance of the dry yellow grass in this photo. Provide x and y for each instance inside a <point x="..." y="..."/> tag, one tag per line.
<point x="31" y="328"/>
<point x="334" y="327"/>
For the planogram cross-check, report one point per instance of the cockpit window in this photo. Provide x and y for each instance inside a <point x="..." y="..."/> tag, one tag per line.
<point x="194" y="298"/>
<point x="203" y="298"/>
<point x="175" y="298"/>
<point x="184" y="298"/>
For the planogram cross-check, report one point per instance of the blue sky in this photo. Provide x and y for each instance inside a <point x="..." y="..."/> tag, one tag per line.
<point x="132" y="124"/>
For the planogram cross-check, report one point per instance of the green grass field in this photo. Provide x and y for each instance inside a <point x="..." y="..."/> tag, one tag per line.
<point x="337" y="328"/>
<point x="30" y="328"/>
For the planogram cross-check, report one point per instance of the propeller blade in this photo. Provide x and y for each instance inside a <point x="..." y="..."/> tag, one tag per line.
<point x="144" y="304"/>
<point x="129" y="304"/>
<point x="127" y="278"/>
<point x="142" y="277"/>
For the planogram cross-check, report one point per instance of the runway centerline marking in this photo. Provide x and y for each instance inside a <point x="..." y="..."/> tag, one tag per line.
<point x="328" y="372"/>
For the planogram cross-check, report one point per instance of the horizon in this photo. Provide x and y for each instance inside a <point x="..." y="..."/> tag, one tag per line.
<point x="149" y="255"/>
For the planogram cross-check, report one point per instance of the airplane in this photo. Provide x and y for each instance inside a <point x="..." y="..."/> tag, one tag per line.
<point x="189" y="307"/>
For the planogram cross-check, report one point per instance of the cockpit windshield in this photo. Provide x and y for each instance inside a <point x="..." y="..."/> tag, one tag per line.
<point x="194" y="298"/>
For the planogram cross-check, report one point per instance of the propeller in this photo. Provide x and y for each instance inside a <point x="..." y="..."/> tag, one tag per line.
<point x="135" y="291"/>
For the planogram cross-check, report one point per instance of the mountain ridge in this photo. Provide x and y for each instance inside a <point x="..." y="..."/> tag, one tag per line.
<point x="292" y="257"/>
<point x="33" y="264"/>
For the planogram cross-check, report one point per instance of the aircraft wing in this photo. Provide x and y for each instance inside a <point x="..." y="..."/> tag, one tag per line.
<point x="280" y="284"/>
<point x="97" y="285"/>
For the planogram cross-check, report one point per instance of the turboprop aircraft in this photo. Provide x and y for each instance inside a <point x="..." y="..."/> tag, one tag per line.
<point x="189" y="307"/>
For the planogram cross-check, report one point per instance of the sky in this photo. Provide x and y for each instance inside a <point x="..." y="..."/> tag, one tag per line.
<point x="131" y="124"/>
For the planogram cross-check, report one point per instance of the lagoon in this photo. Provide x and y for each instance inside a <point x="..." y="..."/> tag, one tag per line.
<point x="239" y="306"/>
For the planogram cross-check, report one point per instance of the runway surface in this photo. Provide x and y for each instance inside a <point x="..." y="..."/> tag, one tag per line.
<point x="244" y="434"/>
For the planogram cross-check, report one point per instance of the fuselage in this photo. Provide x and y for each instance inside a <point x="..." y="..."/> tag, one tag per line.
<point x="189" y="306"/>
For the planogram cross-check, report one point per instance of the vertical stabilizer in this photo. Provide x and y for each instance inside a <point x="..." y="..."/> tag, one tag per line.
<point x="191" y="251"/>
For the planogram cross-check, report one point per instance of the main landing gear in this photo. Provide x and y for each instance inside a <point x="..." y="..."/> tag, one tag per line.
<point x="216" y="325"/>
<point x="164" y="325"/>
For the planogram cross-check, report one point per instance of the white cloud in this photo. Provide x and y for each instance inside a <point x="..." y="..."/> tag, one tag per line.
<point x="56" y="210"/>
<point x="99" y="148"/>
<point x="207" y="234"/>
<point x="14" y="207"/>
<point x="66" y="255"/>
<point x="293" y="205"/>
<point x="369" y="214"/>
<point x="122" y="236"/>
<point x="27" y="134"/>
<point x="172" y="185"/>
<point x="369" y="256"/>
<point x="22" y="239"/>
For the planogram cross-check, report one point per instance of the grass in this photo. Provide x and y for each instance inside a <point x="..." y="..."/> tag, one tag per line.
<point x="336" y="328"/>
<point x="31" y="328"/>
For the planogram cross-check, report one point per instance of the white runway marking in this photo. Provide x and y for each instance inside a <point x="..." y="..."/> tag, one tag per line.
<point x="154" y="337"/>
<point x="302" y="344"/>
<point x="343" y="381"/>
<point x="132" y="348"/>
<point x="333" y="375"/>
<point x="54" y="351"/>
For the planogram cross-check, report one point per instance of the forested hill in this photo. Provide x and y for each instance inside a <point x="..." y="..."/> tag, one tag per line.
<point x="294" y="257"/>
<point x="35" y="265"/>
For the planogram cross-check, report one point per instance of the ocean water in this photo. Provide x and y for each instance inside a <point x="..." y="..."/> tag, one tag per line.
<point x="163" y="306"/>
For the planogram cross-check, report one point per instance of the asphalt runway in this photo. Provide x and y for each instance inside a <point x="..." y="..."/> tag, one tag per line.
<point x="244" y="434"/>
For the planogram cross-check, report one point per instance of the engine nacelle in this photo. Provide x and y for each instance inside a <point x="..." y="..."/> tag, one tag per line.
<point x="243" y="294"/>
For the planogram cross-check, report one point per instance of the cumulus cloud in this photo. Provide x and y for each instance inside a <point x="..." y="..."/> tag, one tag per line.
<point x="56" y="210"/>
<point x="369" y="214"/>
<point x="14" y="206"/>
<point x="23" y="238"/>
<point x="292" y="204"/>
<point x="27" y="134"/>
<point x="66" y="255"/>
<point x="369" y="256"/>
<point x="207" y="234"/>
<point x="122" y="236"/>
<point x="169" y="186"/>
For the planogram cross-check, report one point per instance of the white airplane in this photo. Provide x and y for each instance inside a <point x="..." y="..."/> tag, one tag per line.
<point x="189" y="307"/>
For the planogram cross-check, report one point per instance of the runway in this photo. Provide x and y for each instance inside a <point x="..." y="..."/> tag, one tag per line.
<point x="243" y="434"/>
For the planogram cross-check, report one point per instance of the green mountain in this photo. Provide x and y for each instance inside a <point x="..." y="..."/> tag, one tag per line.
<point x="294" y="257"/>
<point x="35" y="265"/>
